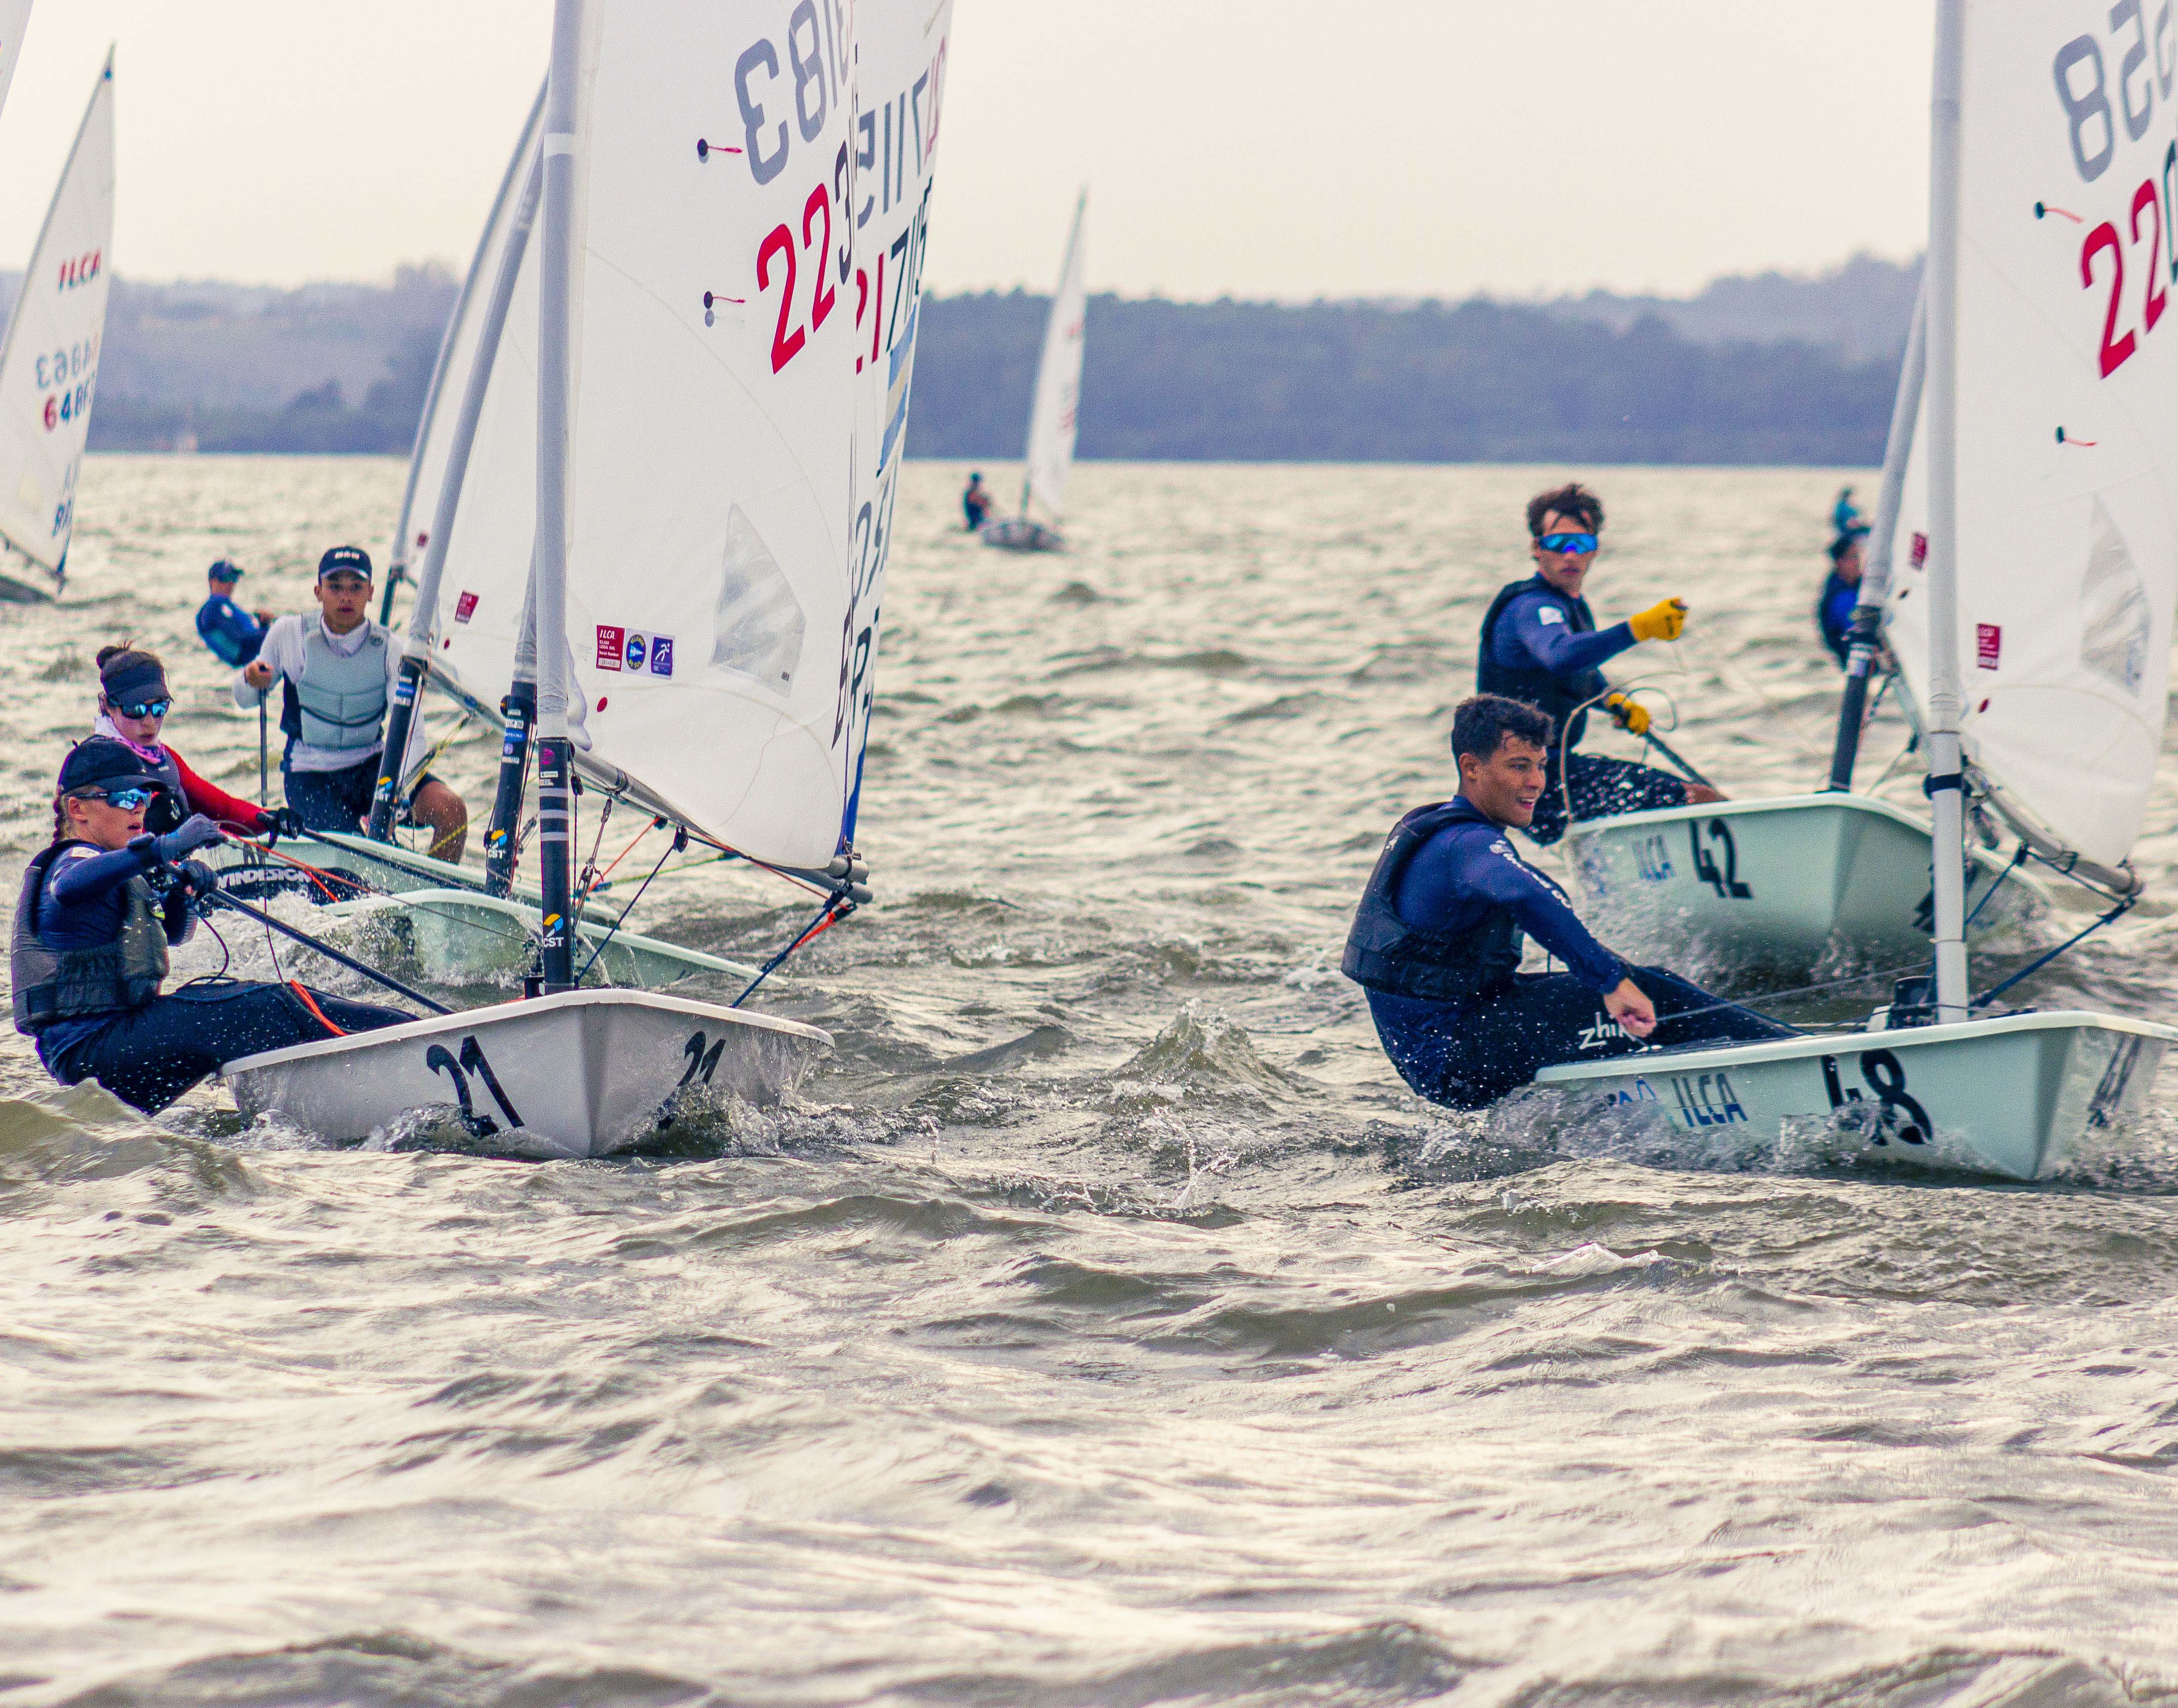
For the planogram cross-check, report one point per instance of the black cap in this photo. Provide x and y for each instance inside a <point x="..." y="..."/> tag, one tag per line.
<point x="101" y="760"/>
<point x="345" y="559"/>
<point x="131" y="677"/>
<point x="223" y="571"/>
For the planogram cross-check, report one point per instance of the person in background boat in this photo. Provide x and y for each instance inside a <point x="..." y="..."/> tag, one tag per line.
<point x="1841" y="592"/>
<point x="1540" y="644"/>
<point x="133" y="703"/>
<point x="977" y="502"/>
<point x="234" y="634"/>
<point x="99" y="909"/>
<point x="336" y="668"/>
<point x="1437" y="940"/>
<point x="1844" y="514"/>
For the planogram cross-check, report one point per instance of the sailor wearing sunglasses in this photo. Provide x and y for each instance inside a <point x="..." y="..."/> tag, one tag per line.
<point x="99" y="909"/>
<point x="1540" y="643"/>
<point x="134" y="700"/>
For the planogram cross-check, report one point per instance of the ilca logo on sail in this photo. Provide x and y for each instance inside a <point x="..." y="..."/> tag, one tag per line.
<point x="634" y="650"/>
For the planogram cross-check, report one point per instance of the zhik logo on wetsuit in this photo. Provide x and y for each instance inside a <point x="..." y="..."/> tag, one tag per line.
<point x="1603" y="1032"/>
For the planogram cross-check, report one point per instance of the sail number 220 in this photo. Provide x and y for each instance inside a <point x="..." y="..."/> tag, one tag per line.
<point x="2118" y="346"/>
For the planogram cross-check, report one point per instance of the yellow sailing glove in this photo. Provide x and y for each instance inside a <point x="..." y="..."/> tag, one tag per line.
<point x="1631" y="714"/>
<point x="1660" y="622"/>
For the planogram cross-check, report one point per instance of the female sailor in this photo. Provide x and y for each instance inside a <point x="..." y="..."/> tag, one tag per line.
<point x="133" y="703"/>
<point x="99" y="909"/>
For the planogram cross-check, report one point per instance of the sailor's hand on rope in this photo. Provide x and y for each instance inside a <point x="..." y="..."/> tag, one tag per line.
<point x="1630" y="1008"/>
<point x="1629" y="714"/>
<point x="196" y="880"/>
<point x="283" y="820"/>
<point x="1660" y="622"/>
<point x="196" y="832"/>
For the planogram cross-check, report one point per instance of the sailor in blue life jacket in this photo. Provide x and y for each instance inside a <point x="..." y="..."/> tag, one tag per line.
<point x="1540" y="643"/>
<point x="1437" y="940"/>
<point x="977" y="502"/>
<point x="1841" y="592"/>
<point x="336" y="667"/>
<point x="99" y="909"/>
<point x="1844" y="514"/>
<point x="234" y="634"/>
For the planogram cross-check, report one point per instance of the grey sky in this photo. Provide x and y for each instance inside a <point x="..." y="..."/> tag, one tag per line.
<point x="1279" y="148"/>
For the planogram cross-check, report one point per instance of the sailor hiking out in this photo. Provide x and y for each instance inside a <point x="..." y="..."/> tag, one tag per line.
<point x="1437" y="940"/>
<point x="100" y="907"/>
<point x="336" y="667"/>
<point x="133" y="699"/>
<point x="1540" y="644"/>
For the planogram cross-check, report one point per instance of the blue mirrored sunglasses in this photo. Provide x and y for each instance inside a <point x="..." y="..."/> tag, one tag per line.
<point x="147" y="708"/>
<point x="1569" y="545"/>
<point x="128" y="800"/>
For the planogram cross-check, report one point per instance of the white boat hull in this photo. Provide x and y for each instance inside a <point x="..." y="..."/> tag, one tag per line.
<point x="1773" y="881"/>
<point x="582" y="1074"/>
<point x="1020" y="534"/>
<point x="459" y="936"/>
<point x="2019" y="1095"/>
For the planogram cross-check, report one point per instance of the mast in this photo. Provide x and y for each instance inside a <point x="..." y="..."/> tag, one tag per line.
<point x="397" y="567"/>
<point x="1875" y="580"/>
<point x="1945" y="784"/>
<point x="519" y="711"/>
<point x="555" y="806"/>
<point x="416" y="654"/>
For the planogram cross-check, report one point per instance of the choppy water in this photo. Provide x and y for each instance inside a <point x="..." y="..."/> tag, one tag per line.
<point x="1107" y="1326"/>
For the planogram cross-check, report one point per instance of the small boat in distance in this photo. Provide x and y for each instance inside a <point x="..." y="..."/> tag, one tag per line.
<point x="49" y="359"/>
<point x="1052" y="416"/>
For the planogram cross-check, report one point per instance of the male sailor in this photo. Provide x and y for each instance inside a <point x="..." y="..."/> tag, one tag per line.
<point x="234" y="634"/>
<point x="976" y="503"/>
<point x="98" y="910"/>
<point x="1841" y="593"/>
<point x="1437" y="940"/>
<point x="336" y="667"/>
<point x="1540" y="643"/>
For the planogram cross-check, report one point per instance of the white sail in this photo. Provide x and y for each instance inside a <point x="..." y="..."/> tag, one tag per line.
<point x="713" y="403"/>
<point x="49" y="361"/>
<point x="900" y="85"/>
<point x="458" y="352"/>
<point x="2067" y="418"/>
<point x="15" y="20"/>
<point x="1052" y="415"/>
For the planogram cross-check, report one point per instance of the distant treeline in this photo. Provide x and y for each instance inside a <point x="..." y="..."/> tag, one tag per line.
<point x="1762" y="370"/>
<point x="1475" y="382"/>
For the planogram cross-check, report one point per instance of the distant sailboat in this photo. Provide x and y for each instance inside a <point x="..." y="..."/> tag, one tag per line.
<point x="49" y="360"/>
<point x="15" y="20"/>
<point x="1053" y="416"/>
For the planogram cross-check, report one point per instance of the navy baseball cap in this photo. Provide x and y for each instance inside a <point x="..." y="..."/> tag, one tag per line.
<point x="351" y="560"/>
<point x="100" y="761"/>
<point x="223" y="571"/>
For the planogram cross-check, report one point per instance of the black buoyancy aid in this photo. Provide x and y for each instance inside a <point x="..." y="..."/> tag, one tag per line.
<point x="1384" y="952"/>
<point x="1560" y="696"/>
<point x="75" y="984"/>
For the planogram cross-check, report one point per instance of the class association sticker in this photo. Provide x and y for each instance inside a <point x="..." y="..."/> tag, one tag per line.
<point x="636" y="651"/>
<point x="1988" y="645"/>
<point x="465" y="607"/>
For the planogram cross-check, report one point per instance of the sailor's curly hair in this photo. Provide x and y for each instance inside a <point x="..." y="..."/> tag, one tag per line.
<point x="1571" y="500"/>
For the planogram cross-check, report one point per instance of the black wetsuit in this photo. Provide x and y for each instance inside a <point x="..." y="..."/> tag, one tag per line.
<point x="97" y="1015"/>
<point x="1542" y="646"/>
<point x="1437" y="943"/>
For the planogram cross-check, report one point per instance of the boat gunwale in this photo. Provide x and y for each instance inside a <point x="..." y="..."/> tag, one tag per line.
<point x="1696" y="1057"/>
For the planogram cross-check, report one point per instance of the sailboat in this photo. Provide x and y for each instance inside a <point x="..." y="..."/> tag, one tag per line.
<point x="49" y="359"/>
<point x="1054" y="412"/>
<point x="15" y="20"/>
<point x="718" y="544"/>
<point x="1780" y="881"/>
<point x="2041" y="499"/>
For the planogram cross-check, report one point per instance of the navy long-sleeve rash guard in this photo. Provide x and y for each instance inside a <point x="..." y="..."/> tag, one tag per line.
<point x="1469" y="867"/>
<point x="82" y="908"/>
<point x="1532" y="633"/>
